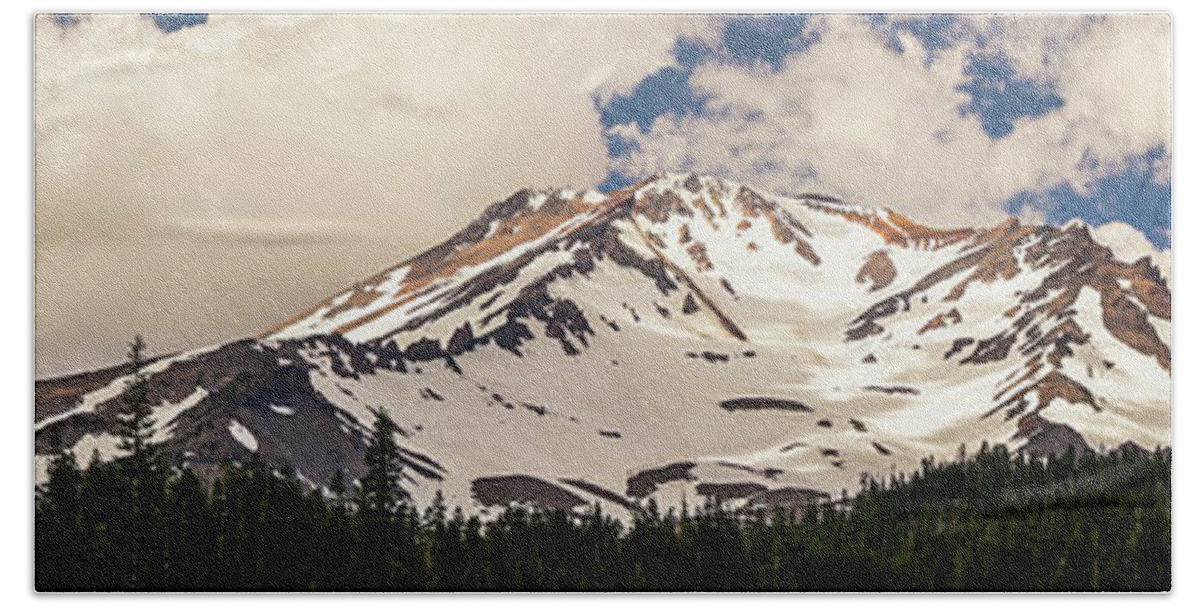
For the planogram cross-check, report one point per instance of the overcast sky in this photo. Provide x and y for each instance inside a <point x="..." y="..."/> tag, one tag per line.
<point x="201" y="177"/>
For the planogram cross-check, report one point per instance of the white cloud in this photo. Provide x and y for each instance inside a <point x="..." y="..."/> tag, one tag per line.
<point x="373" y="136"/>
<point x="1114" y="71"/>
<point x="1030" y="215"/>
<point x="281" y="229"/>
<point x="1129" y="245"/>
<point x="853" y="118"/>
<point x="164" y="162"/>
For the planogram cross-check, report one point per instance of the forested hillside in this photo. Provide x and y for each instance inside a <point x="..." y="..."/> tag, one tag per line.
<point x="989" y="521"/>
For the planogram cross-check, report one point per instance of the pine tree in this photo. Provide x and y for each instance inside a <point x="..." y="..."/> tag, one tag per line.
<point x="336" y="557"/>
<point x="58" y="546"/>
<point x="136" y="424"/>
<point x="143" y="476"/>
<point x="938" y="529"/>
<point x="382" y="530"/>
<point x="190" y="546"/>
<point x="337" y="487"/>
<point x="379" y="489"/>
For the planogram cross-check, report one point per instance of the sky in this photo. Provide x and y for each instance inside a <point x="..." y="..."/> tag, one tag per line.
<point x="201" y="177"/>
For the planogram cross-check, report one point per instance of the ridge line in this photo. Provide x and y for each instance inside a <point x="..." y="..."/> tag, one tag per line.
<point x="726" y="322"/>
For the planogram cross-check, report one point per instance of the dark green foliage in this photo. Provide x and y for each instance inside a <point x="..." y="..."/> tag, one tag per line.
<point x="60" y="528"/>
<point x="379" y="491"/>
<point x="115" y="514"/>
<point x="987" y="522"/>
<point x="137" y="420"/>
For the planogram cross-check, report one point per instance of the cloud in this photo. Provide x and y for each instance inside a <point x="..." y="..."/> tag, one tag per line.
<point x="936" y="32"/>
<point x="1137" y="193"/>
<point x="947" y="121"/>
<point x="757" y="41"/>
<point x="167" y="152"/>
<point x="262" y="230"/>
<point x="999" y="97"/>
<point x="164" y="160"/>
<point x="1129" y="245"/>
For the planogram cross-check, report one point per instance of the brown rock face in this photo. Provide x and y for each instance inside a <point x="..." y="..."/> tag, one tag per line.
<point x="502" y="227"/>
<point x="942" y="319"/>
<point x="879" y="270"/>
<point x="897" y="229"/>
<point x="1129" y="293"/>
<point x="635" y="290"/>
<point x="1054" y="385"/>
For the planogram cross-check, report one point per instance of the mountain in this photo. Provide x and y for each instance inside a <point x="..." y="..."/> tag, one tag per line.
<point x="682" y="339"/>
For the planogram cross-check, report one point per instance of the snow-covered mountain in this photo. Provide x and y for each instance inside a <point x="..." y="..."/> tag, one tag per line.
<point x="684" y="338"/>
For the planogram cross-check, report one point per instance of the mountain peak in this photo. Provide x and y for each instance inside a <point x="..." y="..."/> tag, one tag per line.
<point x="710" y="333"/>
<point x="670" y="221"/>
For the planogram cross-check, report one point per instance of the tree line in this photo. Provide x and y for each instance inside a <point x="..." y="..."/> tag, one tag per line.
<point x="989" y="521"/>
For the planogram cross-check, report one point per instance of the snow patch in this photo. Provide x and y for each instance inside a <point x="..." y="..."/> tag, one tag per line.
<point x="243" y="435"/>
<point x="536" y="202"/>
<point x="113" y="389"/>
<point x="166" y="414"/>
<point x="105" y="446"/>
<point x="594" y="197"/>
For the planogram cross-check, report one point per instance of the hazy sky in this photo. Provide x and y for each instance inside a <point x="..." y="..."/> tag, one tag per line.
<point x="200" y="178"/>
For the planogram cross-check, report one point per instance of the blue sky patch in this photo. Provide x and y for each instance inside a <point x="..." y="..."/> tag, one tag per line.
<point x="667" y="91"/>
<point x="1129" y="195"/>
<point x="619" y="146"/>
<point x="1000" y="97"/>
<point x="690" y="53"/>
<point x="615" y="180"/>
<point x="767" y="39"/>
<point x="747" y="41"/>
<point x="66" y="20"/>
<point x="936" y="33"/>
<point x="173" y="22"/>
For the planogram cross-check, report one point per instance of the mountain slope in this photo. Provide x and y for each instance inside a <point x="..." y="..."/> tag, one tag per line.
<point x="684" y="338"/>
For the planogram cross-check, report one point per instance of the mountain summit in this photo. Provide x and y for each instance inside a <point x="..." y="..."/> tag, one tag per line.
<point x="686" y="337"/>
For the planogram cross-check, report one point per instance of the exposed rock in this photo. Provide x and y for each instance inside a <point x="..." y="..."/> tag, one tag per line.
<point x="893" y="390"/>
<point x="764" y="403"/>
<point x="689" y="305"/>
<point x="602" y="492"/>
<point x="878" y="269"/>
<point x="721" y="492"/>
<point x="525" y="490"/>
<point x="788" y="498"/>
<point x="1045" y="438"/>
<point x="646" y="482"/>
<point x="942" y="319"/>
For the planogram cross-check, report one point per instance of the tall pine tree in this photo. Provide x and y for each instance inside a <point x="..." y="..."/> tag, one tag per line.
<point x="379" y="489"/>
<point x="380" y="522"/>
<point x="136" y="424"/>
<point x="143" y="475"/>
